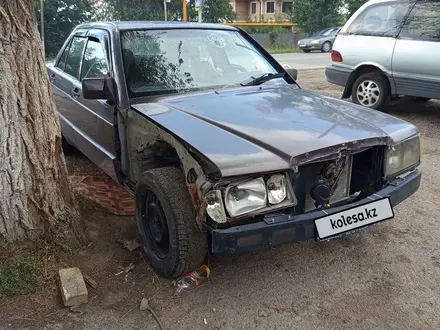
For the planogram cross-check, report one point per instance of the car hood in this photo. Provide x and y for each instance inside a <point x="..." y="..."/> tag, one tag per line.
<point x="262" y="129"/>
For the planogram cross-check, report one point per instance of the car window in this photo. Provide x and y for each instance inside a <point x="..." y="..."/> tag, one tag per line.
<point x="423" y="21"/>
<point x="74" y="56"/>
<point x="161" y="61"/>
<point x="380" y="19"/>
<point x="62" y="61"/>
<point x="94" y="63"/>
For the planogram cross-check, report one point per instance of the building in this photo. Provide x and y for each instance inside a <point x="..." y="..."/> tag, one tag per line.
<point x="262" y="10"/>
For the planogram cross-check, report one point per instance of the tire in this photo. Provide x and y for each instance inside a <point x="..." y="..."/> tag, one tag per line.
<point x="326" y="47"/>
<point x="306" y="51"/>
<point x="371" y="90"/>
<point x="164" y="208"/>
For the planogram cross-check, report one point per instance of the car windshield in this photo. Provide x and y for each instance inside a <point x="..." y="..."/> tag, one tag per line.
<point x="329" y="32"/>
<point x="169" y="61"/>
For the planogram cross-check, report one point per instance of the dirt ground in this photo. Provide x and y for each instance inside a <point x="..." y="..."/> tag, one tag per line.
<point x="383" y="278"/>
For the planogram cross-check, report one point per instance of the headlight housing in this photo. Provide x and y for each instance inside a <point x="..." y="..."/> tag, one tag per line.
<point x="249" y="197"/>
<point x="245" y="197"/>
<point x="402" y="156"/>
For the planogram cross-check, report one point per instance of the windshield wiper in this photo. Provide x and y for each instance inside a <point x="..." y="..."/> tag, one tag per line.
<point x="253" y="81"/>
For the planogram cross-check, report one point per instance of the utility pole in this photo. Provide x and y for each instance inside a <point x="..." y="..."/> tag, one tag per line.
<point x="165" y="9"/>
<point x="184" y="11"/>
<point x="42" y="24"/>
<point x="199" y="6"/>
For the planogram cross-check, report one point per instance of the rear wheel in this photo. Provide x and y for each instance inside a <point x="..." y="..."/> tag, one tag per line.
<point x="326" y="47"/>
<point x="167" y="223"/>
<point x="306" y="51"/>
<point x="371" y="90"/>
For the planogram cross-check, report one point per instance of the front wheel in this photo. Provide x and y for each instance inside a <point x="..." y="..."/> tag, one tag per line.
<point x="371" y="90"/>
<point x="167" y="223"/>
<point x="326" y="47"/>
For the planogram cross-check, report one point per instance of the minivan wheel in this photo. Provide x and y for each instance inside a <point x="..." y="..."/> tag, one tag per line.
<point x="166" y="221"/>
<point x="326" y="47"/>
<point x="370" y="90"/>
<point x="306" y="51"/>
<point x="67" y="147"/>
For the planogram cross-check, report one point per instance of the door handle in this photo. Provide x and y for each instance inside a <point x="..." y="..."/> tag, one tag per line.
<point x="75" y="92"/>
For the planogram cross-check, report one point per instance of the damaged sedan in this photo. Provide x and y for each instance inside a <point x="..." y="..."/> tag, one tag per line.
<point x="222" y="149"/>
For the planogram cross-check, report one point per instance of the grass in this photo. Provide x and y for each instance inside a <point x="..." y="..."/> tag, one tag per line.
<point x="283" y="49"/>
<point x="19" y="277"/>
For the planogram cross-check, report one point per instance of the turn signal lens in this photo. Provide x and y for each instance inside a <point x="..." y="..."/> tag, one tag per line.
<point x="336" y="56"/>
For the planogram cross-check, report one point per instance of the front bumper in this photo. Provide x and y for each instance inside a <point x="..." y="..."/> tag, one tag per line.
<point x="337" y="75"/>
<point x="310" y="46"/>
<point x="289" y="228"/>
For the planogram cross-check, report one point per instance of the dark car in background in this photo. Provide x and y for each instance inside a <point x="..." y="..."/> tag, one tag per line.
<point x="220" y="146"/>
<point x="322" y="41"/>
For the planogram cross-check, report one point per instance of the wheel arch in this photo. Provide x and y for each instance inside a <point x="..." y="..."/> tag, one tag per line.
<point x="362" y="69"/>
<point x="152" y="147"/>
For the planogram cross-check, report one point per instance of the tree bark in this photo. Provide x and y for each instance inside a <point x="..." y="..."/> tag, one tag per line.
<point x="35" y="197"/>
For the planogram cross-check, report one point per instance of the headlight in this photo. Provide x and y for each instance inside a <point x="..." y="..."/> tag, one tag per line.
<point x="276" y="189"/>
<point x="299" y="42"/>
<point x="314" y="42"/>
<point x="214" y="206"/>
<point x="245" y="197"/>
<point x="402" y="156"/>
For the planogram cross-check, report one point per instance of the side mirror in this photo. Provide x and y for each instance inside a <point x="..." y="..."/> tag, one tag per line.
<point x="293" y="73"/>
<point x="99" y="88"/>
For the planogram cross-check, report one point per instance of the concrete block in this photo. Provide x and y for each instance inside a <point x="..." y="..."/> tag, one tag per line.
<point x="73" y="288"/>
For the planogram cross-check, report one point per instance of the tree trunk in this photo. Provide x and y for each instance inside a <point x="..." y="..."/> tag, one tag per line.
<point x="35" y="197"/>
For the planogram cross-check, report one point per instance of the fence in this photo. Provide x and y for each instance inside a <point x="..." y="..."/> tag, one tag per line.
<point x="285" y="40"/>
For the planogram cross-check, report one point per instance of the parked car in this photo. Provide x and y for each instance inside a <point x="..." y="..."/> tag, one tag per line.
<point x="387" y="49"/>
<point x="323" y="41"/>
<point x="218" y="143"/>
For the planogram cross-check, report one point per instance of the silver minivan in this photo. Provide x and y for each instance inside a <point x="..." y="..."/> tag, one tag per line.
<point x="386" y="49"/>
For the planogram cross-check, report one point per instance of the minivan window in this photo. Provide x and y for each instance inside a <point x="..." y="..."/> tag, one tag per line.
<point x="379" y="20"/>
<point x="423" y="22"/>
<point x="62" y="61"/>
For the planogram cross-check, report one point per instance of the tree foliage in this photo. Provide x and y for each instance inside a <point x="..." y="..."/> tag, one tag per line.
<point x="214" y="11"/>
<point x="353" y="5"/>
<point x="316" y="15"/>
<point x="60" y="17"/>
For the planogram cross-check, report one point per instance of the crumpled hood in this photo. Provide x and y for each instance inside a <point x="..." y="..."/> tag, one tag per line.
<point x="259" y="129"/>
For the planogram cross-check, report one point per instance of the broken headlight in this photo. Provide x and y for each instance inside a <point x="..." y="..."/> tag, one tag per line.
<point x="214" y="206"/>
<point x="402" y="156"/>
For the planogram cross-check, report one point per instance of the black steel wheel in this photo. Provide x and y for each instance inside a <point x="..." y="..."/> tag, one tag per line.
<point x="167" y="225"/>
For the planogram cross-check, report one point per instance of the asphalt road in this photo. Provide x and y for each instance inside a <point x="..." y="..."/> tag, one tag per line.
<point x="303" y="61"/>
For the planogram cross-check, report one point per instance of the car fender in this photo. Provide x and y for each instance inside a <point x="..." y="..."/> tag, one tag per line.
<point x="362" y="68"/>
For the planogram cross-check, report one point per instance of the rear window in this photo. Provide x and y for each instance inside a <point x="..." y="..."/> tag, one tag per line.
<point x="382" y="19"/>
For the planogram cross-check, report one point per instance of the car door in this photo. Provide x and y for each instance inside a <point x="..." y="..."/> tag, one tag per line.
<point x="95" y="135"/>
<point x="415" y="67"/>
<point x="62" y="77"/>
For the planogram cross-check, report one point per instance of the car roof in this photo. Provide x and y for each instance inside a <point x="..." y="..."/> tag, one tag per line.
<point x="145" y="25"/>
